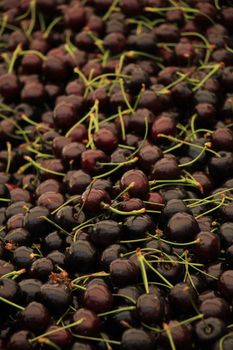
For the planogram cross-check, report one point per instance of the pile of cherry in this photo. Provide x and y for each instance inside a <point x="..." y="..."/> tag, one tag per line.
<point x="116" y="174"/>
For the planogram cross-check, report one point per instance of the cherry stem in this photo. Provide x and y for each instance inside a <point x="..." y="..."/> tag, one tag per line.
<point x="127" y="308"/>
<point x="120" y="212"/>
<point x="125" y="96"/>
<point x="96" y="274"/>
<point x="131" y="161"/>
<point x="214" y="70"/>
<point x="41" y="168"/>
<point x="33" y="18"/>
<point x="49" y="343"/>
<point x="103" y="340"/>
<point x="210" y="210"/>
<point x="14" y="58"/>
<point x="4" y="300"/>
<point x="51" y="26"/>
<point x="57" y="330"/>
<point x="158" y="274"/>
<point x="169" y="335"/>
<point x="55" y="225"/>
<point x="121" y="123"/>
<point x="141" y="261"/>
<point x="13" y="274"/>
<point x="194" y="159"/>
<point x="172" y="138"/>
<point x="93" y="109"/>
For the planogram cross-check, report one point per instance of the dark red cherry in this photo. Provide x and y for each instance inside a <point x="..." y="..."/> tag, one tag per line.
<point x="71" y="153"/>
<point x="49" y="185"/>
<point x="35" y="317"/>
<point x="131" y="7"/>
<point x="166" y="169"/>
<point x="131" y="204"/>
<point x="114" y="42"/>
<point x="64" y="115"/>
<point x="54" y="68"/>
<point x="226" y="233"/>
<point x="182" y="227"/>
<point x="222" y="139"/>
<point x="110" y="254"/>
<point x="98" y="298"/>
<point x="215" y="307"/>
<point x="9" y="86"/>
<point x="105" y="140"/>
<point x="123" y="272"/>
<point x="54" y="294"/>
<point x="183" y="298"/>
<point x="209" y="329"/>
<point x="93" y="200"/>
<point x="58" y="336"/>
<point x="90" y="324"/>
<point x="136" y="339"/>
<point x="180" y="334"/>
<point x="226" y="284"/>
<point x="105" y="232"/>
<point x="148" y="156"/>
<point x="207" y="246"/>
<point x="20" y="341"/>
<point x="50" y="200"/>
<point x="81" y="256"/>
<point x="23" y="257"/>
<point x="135" y="227"/>
<point x="91" y="161"/>
<point x="137" y="183"/>
<point x="41" y="269"/>
<point x="150" y="308"/>
<point x="8" y="290"/>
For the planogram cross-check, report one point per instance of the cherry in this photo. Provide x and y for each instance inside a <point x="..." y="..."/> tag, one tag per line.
<point x="136" y="339"/>
<point x="182" y="227"/>
<point x="110" y="254"/>
<point x="90" y="324"/>
<point x="49" y="185"/>
<point x="71" y="153"/>
<point x="105" y="140"/>
<point x="8" y="289"/>
<point x="207" y="246"/>
<point x="57" y="258"/>
<point x="131" y="204"/>
<point x="81" y="346"/>
<point x="35" y="317"/>
<point x="170" y="270"/>
<point x="30" y="290"/>
<point x="174" y="206"/>
<point x="209" y="330"/>
<point x="41" y="268"/>
<point x="222" y="139"/>
<point x="226" y="284"/>
<point x="114" y="42"/>
<point x="81" y="256"/>
<point x="148" y="156"/>
<point x="137" y="182"/>
<point x="226" y="343"/>
<point x="53" y="241"/>
<point x="215" y="307"/>
<point x="9" y="86"/>
<point x="136" y="77"/>
<point x="98" y="298"/>
<point x="166" y="169"/>
<point x="93" y="200"/>
<point x="150" y="308"/>
<point x="5" y="267"/>
<point x="183" y="298"/>
<point x="123" y="272"/>
<point x="180" y="334"/>
<point x="53" y="294"/>
<point x="33" y="93"/>
<point x="34" y="222"/>
<point x="20" y="341"/>
<point x="135" y="227"/>
<point x="60" y="337"/>
<point x="226" y="233"/>
<point x="222" y="165"/>
<point x="18" y="236"/>
<point x="64" y="115"/>
<point x="54" y="68"/>
<point x="23" y="257"/>
<point x="50" y="200"/>
<point x="105" y="232"/>
<point x="229" y="255"/>
<point x="90" y="160"/>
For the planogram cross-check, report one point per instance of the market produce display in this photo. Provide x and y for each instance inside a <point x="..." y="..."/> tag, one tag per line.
<point x="116" y="174"/>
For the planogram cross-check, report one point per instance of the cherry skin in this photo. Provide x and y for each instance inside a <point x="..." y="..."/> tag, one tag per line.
<point x="98" y="298"/>
<point x="90" y="324"/>
<point x="225" y="284"/>
<point x="35" y="317"/>
<point x="166" y="169"/>
<point x="123" y="272"/>
<point x="136" y="339"/>
<point x="81" y="256"/>
<point x="183" y="298"/>
<point x="209" y="330"/>
<point x="105" y="232"/>
<point x="182" y="227"/>
<point x="150" y="308"/>
<point x="207" y="247"/>
<point x="137" y="182"/>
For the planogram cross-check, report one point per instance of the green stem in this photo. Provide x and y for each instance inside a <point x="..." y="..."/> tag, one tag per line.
<point x="112" y="312"/>
<point x="4" y="300"/>
<point x="141" y="261"/>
